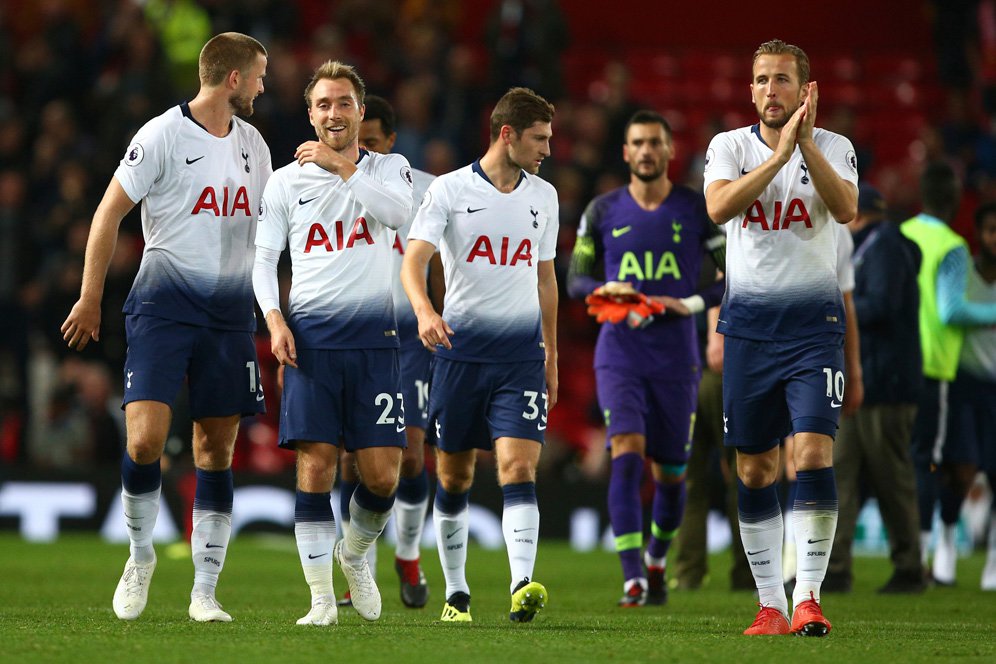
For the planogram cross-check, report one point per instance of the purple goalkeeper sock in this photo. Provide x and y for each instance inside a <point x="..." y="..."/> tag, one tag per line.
<point x="625" y="512"/>
<point x="669" y="506"/>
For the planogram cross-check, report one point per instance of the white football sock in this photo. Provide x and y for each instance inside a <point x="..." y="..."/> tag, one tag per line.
<point x="520" y="526"/>
<point x="208" y="548"/>
<point x="141" y="511"/>
<point x="409" y="519"/>
<point x="315" y="540"/>
<point x="763" y="545"/>
<point x="814" y="531"/>
<point x="451" y="541"/>
<point x="365" y="526"/>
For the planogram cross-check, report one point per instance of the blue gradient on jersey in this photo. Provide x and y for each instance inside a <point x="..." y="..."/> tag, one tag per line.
<point x="632" y="240"/>
<point x="407" y="326"/>
<point x="162" y="290"/>
<point x="795" y="315"/>
<point x="367" y="323"/>
<point x="495" y="339"/>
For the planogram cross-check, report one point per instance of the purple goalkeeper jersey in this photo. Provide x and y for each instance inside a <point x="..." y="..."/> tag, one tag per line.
<point x="660" y="252"/>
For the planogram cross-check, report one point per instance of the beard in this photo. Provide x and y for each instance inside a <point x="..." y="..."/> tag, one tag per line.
<point x="779" y="123"/>
<point x="242" y="104"/>
<point x="650" y="176"/>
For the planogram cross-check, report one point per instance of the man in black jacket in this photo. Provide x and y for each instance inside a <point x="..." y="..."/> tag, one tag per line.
<point x="874" y="442"/>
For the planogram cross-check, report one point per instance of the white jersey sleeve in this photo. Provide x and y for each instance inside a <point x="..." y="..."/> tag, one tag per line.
<point x="407" y="322"/>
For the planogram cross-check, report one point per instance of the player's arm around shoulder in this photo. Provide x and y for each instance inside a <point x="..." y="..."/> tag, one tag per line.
<point x="386" y="191"/>
<point x="83" y="322"/>
<point x="548" y="300"/>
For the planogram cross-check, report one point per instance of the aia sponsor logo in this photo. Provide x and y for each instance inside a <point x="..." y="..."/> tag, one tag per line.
<point x="795" y="212"/>
<point x="223" y="202"/>
<point x="484" y="250"/>
<point x="320" y="238"/>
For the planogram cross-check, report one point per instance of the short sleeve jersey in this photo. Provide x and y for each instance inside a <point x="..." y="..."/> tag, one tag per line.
<point x="407" y="322"/>
<point x="200" y="199"/>
<point x="340" y="297"/>
<point x="781" y="255"/>
<point x="660" y="252"/>
<point x="490" y="244"/>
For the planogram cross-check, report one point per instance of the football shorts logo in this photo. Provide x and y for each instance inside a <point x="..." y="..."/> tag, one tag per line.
<point x="134" y="155"/>
<point x="406" y="175"/>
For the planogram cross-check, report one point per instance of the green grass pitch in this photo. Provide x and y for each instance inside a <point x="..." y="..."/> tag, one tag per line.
<point x="55" y="605"/>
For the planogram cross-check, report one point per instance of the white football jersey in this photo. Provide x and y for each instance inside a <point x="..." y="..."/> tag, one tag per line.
<point x="200" y="198"/>
<point x="781" y="252"/>
<point x="407" y="322"/>
<point x="340" y="248"/>
<point x="490" y="244"/>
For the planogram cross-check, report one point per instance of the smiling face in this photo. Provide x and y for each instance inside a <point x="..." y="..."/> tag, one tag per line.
<point x="335" y="113"/>
<point x="528" y="149"/>
<point x="250" y="86"/>
<point x="776" y="89"/>
<point x="647" y="150"/>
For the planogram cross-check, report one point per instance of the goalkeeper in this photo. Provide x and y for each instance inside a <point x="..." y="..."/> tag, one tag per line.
<point x="647" y="240"/>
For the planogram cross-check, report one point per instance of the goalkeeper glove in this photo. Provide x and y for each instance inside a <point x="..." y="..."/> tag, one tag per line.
<point x="638" y="310"/>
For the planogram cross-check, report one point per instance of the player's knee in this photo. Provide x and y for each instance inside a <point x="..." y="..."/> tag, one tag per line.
<point x="455" y="480"/>
<point x="756" y="474"/>
<point x="411" y="466"/>
<point x="144" y="451"/>
<point x="516" y="471"/>
<point x="626" y="443"/>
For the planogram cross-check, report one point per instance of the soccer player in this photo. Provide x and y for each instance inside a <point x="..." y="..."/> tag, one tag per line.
<point x="199" y="171"/>
<point x="778" y="185"/>
<point x="494" y="376"/>
<point x="336" y="208"/>
<point x="377" y="134"/>
<point x="647" y="237"/>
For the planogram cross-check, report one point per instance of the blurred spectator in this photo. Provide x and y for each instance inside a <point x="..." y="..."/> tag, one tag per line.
<point x="525" y="39"/>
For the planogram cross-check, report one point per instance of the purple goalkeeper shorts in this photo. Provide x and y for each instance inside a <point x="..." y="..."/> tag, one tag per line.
<point x="661" y="411"/>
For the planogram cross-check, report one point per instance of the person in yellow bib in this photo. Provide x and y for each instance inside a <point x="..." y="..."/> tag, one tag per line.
<point x="944" y="315"/>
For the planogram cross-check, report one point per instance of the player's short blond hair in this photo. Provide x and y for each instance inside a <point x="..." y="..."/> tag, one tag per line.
<point x="333" y="69"/>
<point x="778" y="47"/>
<point x="226" y="53"/>
<point x="520" y="109"/>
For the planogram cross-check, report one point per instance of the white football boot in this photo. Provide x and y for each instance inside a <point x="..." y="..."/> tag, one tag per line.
<point x="132" y="593"/>
<point x="363" y="589"/>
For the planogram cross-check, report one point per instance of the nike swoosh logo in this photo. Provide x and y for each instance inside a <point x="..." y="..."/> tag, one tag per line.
<point x="743" y="171"/>
<point x="812" y="541"/>
<point x="834" y="404"/>
<point x="301" y="201"/>
<point x="190" y="161"/>
<point x="214" y="546"/>
<point x="616" y="232"/>
<point x="521" y="530"/>
<point x="260" y="397"/>
<point x="129" y="516"/>
<point x="472" y="211"/>
<point x="754" y="553"/>
<point x="454" y="532"/>
<point x="312" y="557"/>
<point x="400" y="429"/>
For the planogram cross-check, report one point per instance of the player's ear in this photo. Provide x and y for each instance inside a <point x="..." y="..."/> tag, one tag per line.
<point x="506" y="134"/>
<point x="233" y="79"/>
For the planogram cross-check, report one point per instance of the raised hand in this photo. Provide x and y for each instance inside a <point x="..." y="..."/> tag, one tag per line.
<point x="810" y="96"/>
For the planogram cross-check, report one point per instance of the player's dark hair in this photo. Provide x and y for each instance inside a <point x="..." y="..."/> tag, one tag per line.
<point x="226" y="53"/>
<point x="778" y="47"/>
<point x="378" y="108"/>
<point x="645" y="116"/>
<point x="520" y="109"/>
<point x="940" y="190"/>
<point x="333" y="69"/>
<point x="983" y="212"/>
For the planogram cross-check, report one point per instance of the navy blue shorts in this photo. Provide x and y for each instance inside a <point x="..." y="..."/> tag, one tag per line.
<point x="663" y="412"/>
<point x="473" y="403"/>
<point x="352" y="397"/>
<point x="774" y="388"/>
<point x="415" y="361"/>
<point x="971" y="430"/>
<point x="219" y="366"/>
